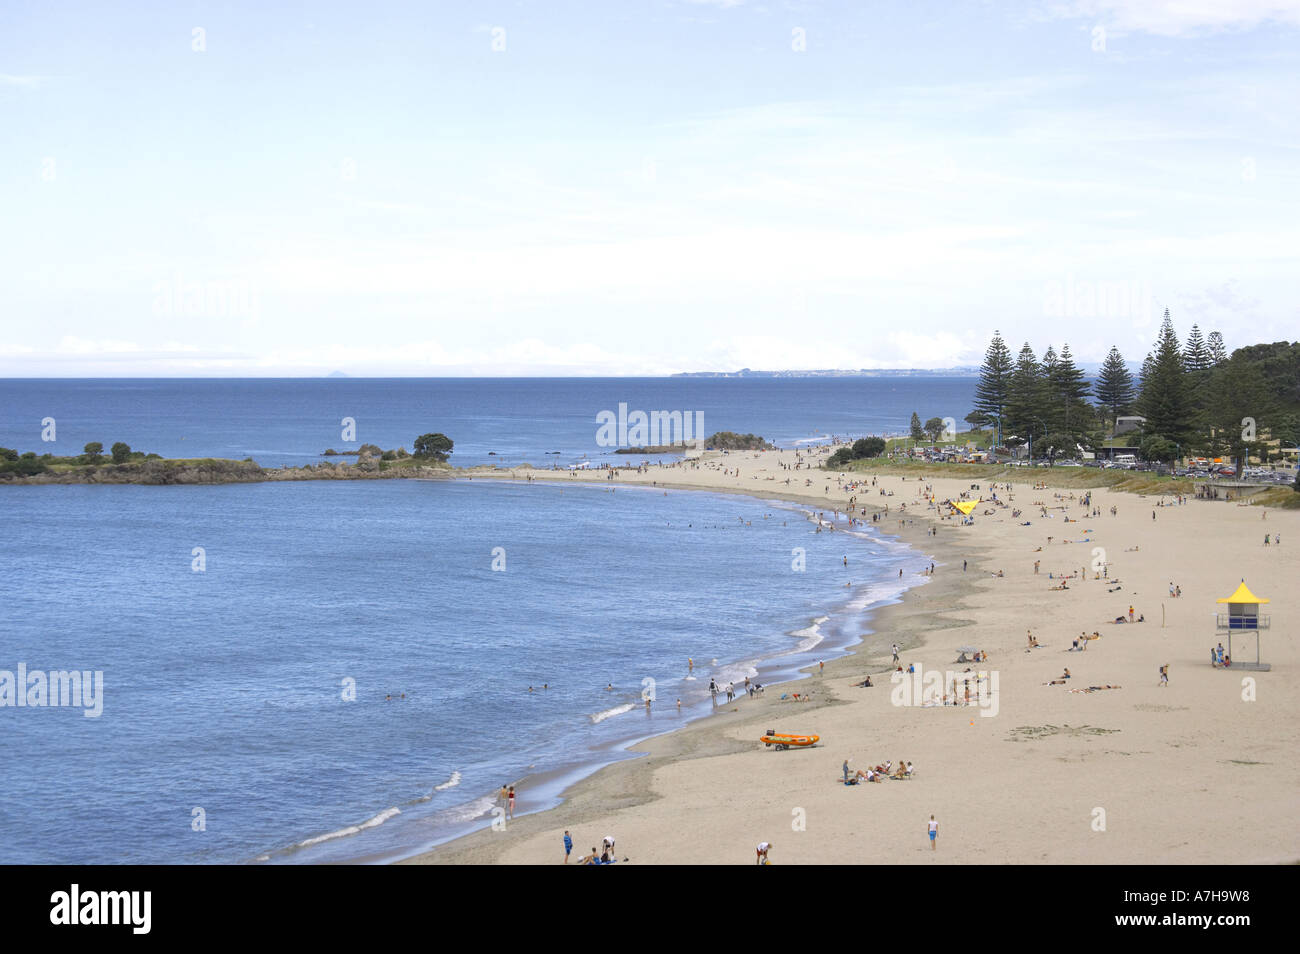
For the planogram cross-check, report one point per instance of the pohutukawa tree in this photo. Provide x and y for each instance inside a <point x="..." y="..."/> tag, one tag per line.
<point x="934" y="429"/>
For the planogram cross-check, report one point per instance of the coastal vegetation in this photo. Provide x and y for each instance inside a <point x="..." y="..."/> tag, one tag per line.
<point x="125" y="466"/>
<point x="654" y="449"/>
<point x="1190" y="398"/>
<point x="729" y="440"/>
<point x="861" y="449"/>
<point x="432" y="446"/>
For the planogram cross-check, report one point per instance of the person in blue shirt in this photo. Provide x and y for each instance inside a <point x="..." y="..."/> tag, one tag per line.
<point x="568" y="846"/>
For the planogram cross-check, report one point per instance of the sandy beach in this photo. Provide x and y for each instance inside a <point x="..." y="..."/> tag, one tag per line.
<point x="1200" y="771"/>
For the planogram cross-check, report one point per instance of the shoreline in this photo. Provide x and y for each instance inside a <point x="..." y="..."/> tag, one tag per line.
<point x="1162" y="769"/>
<point x="774" y="666"/>
<point x="772" y="673"/>
<point x="906" y="619"/>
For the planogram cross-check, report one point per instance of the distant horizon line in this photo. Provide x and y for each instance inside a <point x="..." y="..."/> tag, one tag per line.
<point x="961" y="371"/>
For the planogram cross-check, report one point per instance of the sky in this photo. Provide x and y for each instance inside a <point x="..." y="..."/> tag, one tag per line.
<point x="638" y="187"/>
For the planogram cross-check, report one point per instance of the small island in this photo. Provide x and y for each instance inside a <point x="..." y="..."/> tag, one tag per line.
<point x="729" y="440"/>
<point x="655" y="449"/>
<point x="125" y="466"/>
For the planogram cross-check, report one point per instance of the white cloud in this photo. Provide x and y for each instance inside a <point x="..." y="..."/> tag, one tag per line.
<point x="27" y="82"/>
<point x="1178" y="18"/>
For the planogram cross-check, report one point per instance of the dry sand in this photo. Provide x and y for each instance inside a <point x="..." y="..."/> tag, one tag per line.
<point x="1198" y="772"/>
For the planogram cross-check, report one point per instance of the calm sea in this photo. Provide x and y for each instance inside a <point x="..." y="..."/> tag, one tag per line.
<point x="492" y="420"/>
<point x="250" y="636"/>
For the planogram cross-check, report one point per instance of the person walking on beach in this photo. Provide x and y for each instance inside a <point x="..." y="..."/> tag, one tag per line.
<point x="934" y="833"/>
<point x="895" y="653"/>
<point x="568" y="845"/>
<point x="821" y="667"/>
<point x="1164" y="676"/>
<point x="510" y="805"/>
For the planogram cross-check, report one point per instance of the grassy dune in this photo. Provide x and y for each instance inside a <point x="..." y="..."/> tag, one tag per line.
<point x="1063" y="478"/>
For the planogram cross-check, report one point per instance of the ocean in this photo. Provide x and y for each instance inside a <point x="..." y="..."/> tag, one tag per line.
<point x="341" y="671"/>
<point x="506" y="421"/>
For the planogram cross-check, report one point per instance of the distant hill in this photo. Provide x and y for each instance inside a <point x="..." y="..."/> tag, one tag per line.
<point x="1089" y="368"/>
<point x="336" y="374"/>
<point x="833" y="373"/>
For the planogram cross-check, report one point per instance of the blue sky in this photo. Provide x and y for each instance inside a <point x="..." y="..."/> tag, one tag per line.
<point x="638" y="187"/>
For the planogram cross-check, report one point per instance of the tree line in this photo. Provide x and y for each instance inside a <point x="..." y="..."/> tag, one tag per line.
<point x="1194" y="396"/>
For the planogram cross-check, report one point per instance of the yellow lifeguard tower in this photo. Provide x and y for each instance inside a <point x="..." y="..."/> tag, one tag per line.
<point x="1243" y="614"/>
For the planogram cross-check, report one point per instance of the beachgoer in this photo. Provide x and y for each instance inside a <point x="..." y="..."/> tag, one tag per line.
<point x="568" y="845"/>
<point x="510" y="805"/>
<point x="895" y="652"/>
<point x="763" y="848"/>
<point x="934" y="832"/>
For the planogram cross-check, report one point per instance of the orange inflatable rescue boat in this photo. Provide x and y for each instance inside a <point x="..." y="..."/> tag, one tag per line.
<point x="785" y="740"/>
